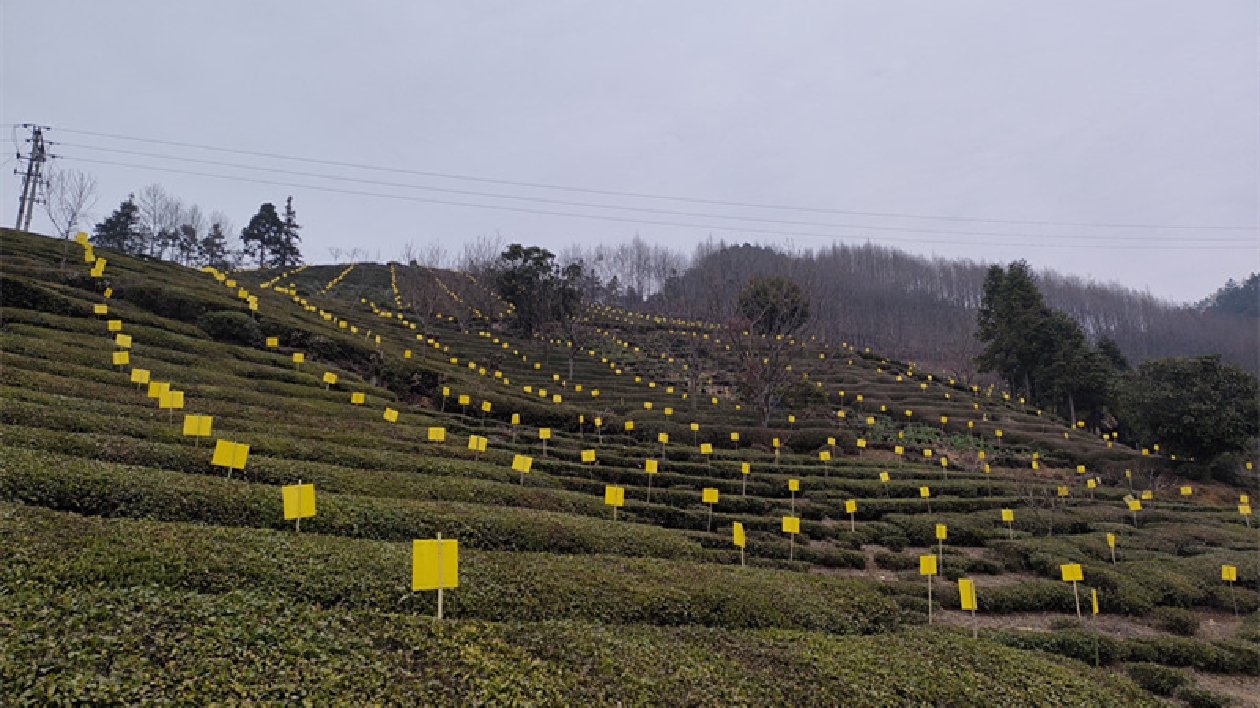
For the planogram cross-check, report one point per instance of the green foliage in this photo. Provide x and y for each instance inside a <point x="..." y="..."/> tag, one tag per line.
<point x="1160" y="680"/>
<point x="232" y="327"/>
<point x="773" y="305"/>
<point x="1202" y="698"/>
<point x="121" y="229"/>
<point x="541" y="291"/>
<point x="1177" y="621"/>
<point x="1196" y="407"/>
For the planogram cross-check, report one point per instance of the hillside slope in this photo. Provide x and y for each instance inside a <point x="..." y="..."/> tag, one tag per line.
<point x="137" y="570"/>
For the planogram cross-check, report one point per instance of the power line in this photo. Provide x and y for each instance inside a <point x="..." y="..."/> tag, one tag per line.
<point x="622" y="208"/>
<point x="649" y="222"/>
<point x="644" y="195"/>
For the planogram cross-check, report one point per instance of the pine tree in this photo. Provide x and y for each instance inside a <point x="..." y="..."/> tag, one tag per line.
<point x="120" y="230"/>
<point x="285" y="253"/>
<point x="214" y="247"/>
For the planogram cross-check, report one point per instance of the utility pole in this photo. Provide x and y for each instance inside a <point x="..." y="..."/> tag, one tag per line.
<point x="30" y="180"/>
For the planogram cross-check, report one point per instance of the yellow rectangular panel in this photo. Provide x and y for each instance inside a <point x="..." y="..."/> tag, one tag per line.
<point x="298" y="357"/>
<point x="203" y="426"/>
<point x="794" y="485"/>
<point x="745" y="467"/>
<point x="861" y="442"/>
<point x="883" y="476"/>
<point x="299" y="501"/>
<point x="824" y="455"/>
<point x="1135" y="505"/>
<point x="706" y="449"/>
<point x="121" y="358"/>
<point x="544" y="433"/>
<point x="391" y="415"/>
<point x="192" y="425"/>
<point x="521" y="463"/>
<point x="223" y="450"/>
<point x="485" y="406"/>
<point x="1229" y="572"/>
<point x="709" y="495"/>
<point x="791" y="524"/>
<point x="588" y="455"/>
<point x="240" y="455"/>
<point x="516" y="419"/>
<point x="437" y="434"/>
<point x="850" y="506"/>
<point x="357" y="398"/>
<point x="273" y="341"/>
<point x="614" y="496"/>
<point x="927" y="565"/>
<point x="650" y="466"/>
<point x="925" y="492"/>
<point x="967" y="593"/>
<point x="942" y="532"/>
<point x="734" y="437"/>
<point x="140" y="376"/>
<point x="115" y="325"/>
<point x="1111" y="540"/>
<point x="427" y="558"/>
<point x="330" y="378"/>
<point x="662" y="437"/>
<point x="1244" y="509"/>
<point x="739" y="535"/>
<point x="123" y="340"/>
<point x="899" y="450"/>
<point x="1186" y="491"/>
<point x="1071" y="572"/>
<point x="1008" y="514"/>
<point x="1093" y="599"/>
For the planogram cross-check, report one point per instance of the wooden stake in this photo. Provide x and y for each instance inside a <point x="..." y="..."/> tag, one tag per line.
<point x="929" y="599"/>
<point x="1077" y="595"/>
<point x="439" y="574"/>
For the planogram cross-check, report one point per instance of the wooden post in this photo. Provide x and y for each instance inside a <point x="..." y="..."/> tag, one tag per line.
<point x="297" y="522"/>
<point x="439" y="576"/>
<point x="792" y="546"/>
<point x="649" y="496"/>
<point x="1076" y="594"/>
<point x="710" y="525"/>
<point x="852" y="523"/>
<point x="929" y="598"/>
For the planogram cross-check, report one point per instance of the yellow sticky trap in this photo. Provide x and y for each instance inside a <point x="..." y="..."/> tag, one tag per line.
<point x="299" y="501"/>
<point x="662" y="437"/>
<point x="115" y="325"/>
<point x="330" y="378"/>
<point x="122" y="358"/>
<point x="1111" y="540"/>
<point x="745" y="467"/>
<point x="1063" y="491"/>
<point x="925" y="492"/>
<point x="463" y="400"/>
<point x="1186" y="491"/>
<point x="614" y="496"/>
<point x="967" y="593"/>
<point x="1229" y="572"/>
<point x="273" y="341"/>
<point x="791" y="524"/>
<point x="942" y="532"/>
<point x="156" y="388"/>
<point x="650" y="466"/>
<point x="775" y="442"/>
<point x="516" y="419"/>
<point x="1135" y="505"/>
<point x="1148" y="494"/>
<point x="1244" y="509"/>
<point x="709" y="495"/>
<point x="850" y="506"/>
<point x="357" y="398"/>
<point x="123" y="340"/>
<point x="1008" y="514"/>
<point x="81" y="238"/>
<point x="927" y="565"/>
<point x="588" y="455"/>
<point x="1093" y="600"/>
<point x="109" y="292"/>
<point x="861" y="442"/>
<point x="695" y="427"/>
<point x="899" y="450"/>
<point x="522" y="464"/>
<point x="734" y="437"/>
<point x="230" y="454"/>
<point x="1036" y="465"/>
<point x="1080" y="469"/>
<point x="298" y="357"/>
<point x="426" y="559"/>
<point x="100" y="309"/>
<point x="794" y="485"/>
<point x="485" y="406"/>
<point x="706" y="449"/>
<point x="391" y="415"/>
<point x="140" y="376"/>
<point x="883" y="476"/>
<point x="437" y="434"/>
<point x="544" y="433"/>
<point x="739" y="535"/>
<point x="1071" y="572"/>
<point x="927" y="452"/>
<point x="1091" y="483"/>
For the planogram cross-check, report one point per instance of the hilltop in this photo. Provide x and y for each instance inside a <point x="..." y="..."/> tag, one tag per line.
<point x="138" y="570"/>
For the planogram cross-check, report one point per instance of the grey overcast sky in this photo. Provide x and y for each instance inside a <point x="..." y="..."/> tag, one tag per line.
<point x="1141" y="112"/>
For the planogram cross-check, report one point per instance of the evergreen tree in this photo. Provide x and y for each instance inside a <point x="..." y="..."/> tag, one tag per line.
<point x="285" y="252"/>
<point x="263" y="234"/>
<point x="1011" y="323"/>
<point x="120" y="230"/>
<point x="214" y="247"/>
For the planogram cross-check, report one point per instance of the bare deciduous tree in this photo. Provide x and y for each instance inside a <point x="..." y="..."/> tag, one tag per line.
<point x="160" y="216"/>
<point x="69" y="195"/>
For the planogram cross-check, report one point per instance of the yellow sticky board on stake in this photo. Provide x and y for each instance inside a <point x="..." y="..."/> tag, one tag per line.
<point x="230" y="454"/>
<point x="391" y="415"/>
<point x="437" y="434"/>
<point x="1230" y="573"/>
<point x="588" y="455"/>
<point x="299" y="501"/>
<point x="1008" y="514"/>
<point x="745" y="467"/>
<point x="967" y="593"/>
<point x="794" y="485"/>
<point x="850" y="506"/>
<point x="198" y="425"/>
<point x="1111" y="540"/>
<point x="1186" y="491"/>
<point x="1244" y="509"/>
<point x="709" y="495"/>
<point x="122" y="358"/>
<point x="791" y="524"/>
<point x="100" y="309"/>
<point x="123" y="340"/>
<point x="273" y="341"/>
<point x="485" y="406"/>
<point x="883" y="476"/>
<point x="544" y="433"/>
<point x="425" y="563"/>
<point x="330" y="378"/>
<point x="650" y="466"/>
<point x="860" y="443"/>
<point x="357" y="398"/>
<point x="1093" y="598"/>
<point x="942" y="532"/>
<point x="739" y="535"/>
<point x="521" y="463"/>
<point x="115" y="325"/>
<point x="927" y="565"/>
<point x="614" y="496"/>
<point x="1135" y="505"/>
<point x="706" y="449"/>
<point x="140" y="376"/>
<point x="925" y="492"/>
<point x="1071" y="572"/>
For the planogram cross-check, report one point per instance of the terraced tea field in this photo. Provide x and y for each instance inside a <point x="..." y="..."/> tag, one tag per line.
<point x="139" y="570"/>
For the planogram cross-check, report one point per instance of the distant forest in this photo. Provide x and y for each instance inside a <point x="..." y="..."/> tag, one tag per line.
<point x="922" y="309"/>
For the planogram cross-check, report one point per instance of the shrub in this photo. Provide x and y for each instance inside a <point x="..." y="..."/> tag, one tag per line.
<point x="1202" y="698"/>
<point x="229" y="326"/>
<point x="1160" y="680"/>
<point x="1177" y="620"/>
<point x="895" y="561"/>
